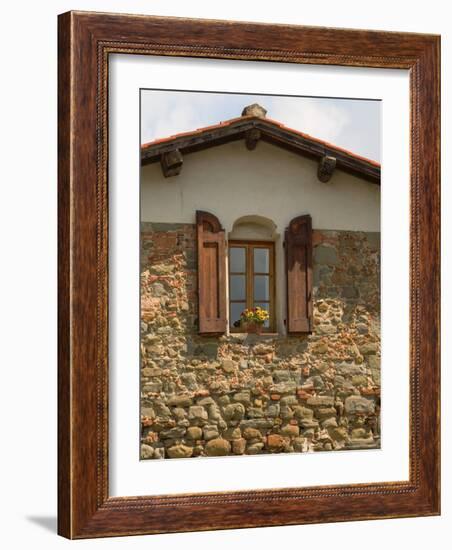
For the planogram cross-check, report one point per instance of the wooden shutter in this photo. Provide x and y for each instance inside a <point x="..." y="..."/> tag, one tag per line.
<point x="211" y="274"/>
<point x="298" y="248"/>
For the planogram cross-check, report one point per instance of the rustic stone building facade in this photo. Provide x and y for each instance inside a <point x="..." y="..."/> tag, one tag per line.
<point x="244" y="394"/>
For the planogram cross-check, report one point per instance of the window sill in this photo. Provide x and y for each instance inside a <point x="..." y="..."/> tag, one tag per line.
<point x="252" y="337"/>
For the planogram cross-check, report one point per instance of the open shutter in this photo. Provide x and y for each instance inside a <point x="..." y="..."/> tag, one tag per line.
<point x="211" y="274"/>
<point x="298" y="247"/>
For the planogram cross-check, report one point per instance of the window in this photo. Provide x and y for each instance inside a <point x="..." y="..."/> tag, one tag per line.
<point x="252" y="276"/>
<point x="251" y="280"/>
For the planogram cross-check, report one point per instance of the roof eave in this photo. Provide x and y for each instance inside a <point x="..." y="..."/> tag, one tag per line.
<point x="271" y="132"/>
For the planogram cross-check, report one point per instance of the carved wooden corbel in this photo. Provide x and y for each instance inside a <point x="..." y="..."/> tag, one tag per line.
<point x="326" y="168"/>
<point x="251" y="138"/>
<point x="171" y="163"/>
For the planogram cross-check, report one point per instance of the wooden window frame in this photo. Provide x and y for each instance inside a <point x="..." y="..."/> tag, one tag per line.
<point x="250" y="245"/>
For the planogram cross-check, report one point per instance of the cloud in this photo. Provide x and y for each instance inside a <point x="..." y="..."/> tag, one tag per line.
<point x="168" y="113"/>
<point x="163" y="117"/>
<point x="318" y="118"/>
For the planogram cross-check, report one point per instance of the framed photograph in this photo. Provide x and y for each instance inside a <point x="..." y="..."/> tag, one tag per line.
<point x="248" y="275"/>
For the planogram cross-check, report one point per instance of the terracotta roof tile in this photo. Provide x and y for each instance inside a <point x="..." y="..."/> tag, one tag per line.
<point x="194" y="132"/>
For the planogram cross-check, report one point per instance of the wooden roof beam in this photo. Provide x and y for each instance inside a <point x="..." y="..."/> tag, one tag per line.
<point x="171" y="162"/>
<point x="326" y="168"/>
<point x="251" y="138"/>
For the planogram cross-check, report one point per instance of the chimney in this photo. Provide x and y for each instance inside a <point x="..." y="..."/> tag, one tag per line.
<point x="254" y="110"/>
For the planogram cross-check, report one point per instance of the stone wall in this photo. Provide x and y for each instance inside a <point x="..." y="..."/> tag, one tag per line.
<point x="248" y="394"/>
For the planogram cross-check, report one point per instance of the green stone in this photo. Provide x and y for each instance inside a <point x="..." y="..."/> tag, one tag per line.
<point x="324" y="254"/>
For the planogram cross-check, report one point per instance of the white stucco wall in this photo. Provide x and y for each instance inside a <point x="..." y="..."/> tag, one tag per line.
<point x="232" y="182"/>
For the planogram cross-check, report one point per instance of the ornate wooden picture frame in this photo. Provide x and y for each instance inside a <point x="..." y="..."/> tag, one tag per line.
<point x="85" y="508"/>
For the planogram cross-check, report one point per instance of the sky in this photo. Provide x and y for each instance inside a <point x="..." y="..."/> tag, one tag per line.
<point x="349" y="123"/>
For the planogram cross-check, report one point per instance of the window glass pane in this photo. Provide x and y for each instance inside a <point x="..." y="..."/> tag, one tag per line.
<point x="261" y="260"/>
<point x="237" y="260"/>
<point x="234" y="313"/>
<point x="267" y="308"/>
<point x="261" y="287"/>
<point x="237" y="287"/>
